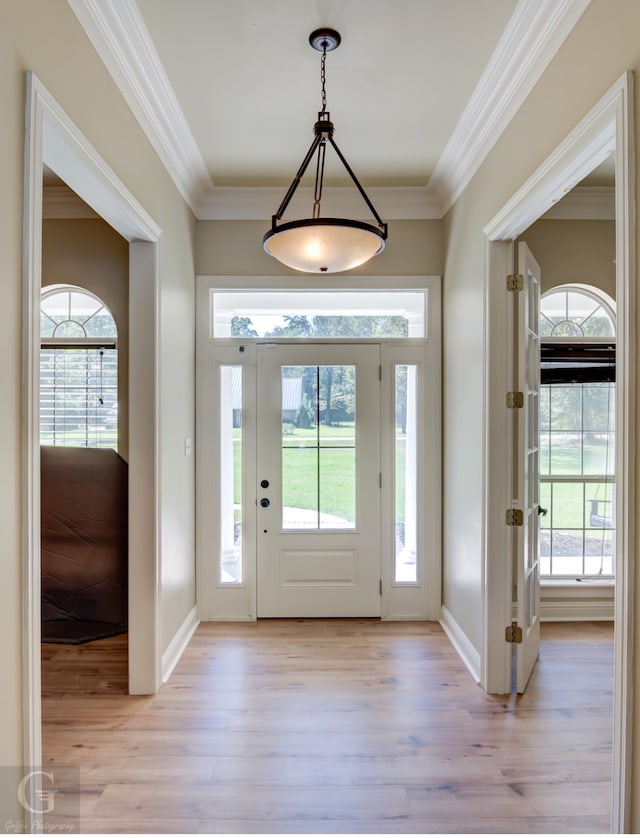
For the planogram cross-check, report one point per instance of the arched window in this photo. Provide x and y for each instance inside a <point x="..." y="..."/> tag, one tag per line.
<point x="577" y="433"/>
<point x="574" y="311"/>
<point x="78" y="370"/>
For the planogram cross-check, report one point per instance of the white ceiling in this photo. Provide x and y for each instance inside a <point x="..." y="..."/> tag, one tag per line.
<point x="248" y="81"/>
<point x="419" y="90"/>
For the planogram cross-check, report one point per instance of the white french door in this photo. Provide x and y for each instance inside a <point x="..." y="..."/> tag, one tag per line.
<point x="527" y="483"/>
<point x="318" y="480"/>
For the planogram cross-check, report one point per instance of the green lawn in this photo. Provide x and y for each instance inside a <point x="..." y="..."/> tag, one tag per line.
<point x="337" y="470"/>
<point x="572" y="503"/>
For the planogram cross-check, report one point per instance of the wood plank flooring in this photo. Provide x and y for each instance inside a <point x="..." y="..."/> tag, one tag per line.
<point x="330" y="726"/>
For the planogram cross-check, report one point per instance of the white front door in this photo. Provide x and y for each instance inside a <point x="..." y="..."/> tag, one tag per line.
<point x="318" y="480"/>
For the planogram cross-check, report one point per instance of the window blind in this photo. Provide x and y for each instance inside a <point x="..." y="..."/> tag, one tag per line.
<point x="79" y="396"/>
<point x="566" y="363"/>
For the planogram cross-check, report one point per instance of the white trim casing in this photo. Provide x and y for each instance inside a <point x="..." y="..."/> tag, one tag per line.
<point x="606" y="129"/>
<point x="144" y="469"/>
<point x="590" y="143"/>
<point x="30" y="559"/>
<point x="626" y="400"/>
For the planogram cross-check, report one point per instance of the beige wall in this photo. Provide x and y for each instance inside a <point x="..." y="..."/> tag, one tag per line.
<point x="45" y="36"/>
<point x="602" y="46"/>
<point x="234" y="248"/>
<point x="90" y="254"/>
<point x="574" y="251"/>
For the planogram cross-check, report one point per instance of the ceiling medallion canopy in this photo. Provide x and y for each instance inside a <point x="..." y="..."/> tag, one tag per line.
<point x="317" y="244"/>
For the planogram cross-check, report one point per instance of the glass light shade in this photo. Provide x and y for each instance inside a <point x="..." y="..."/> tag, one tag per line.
<point x="324" y="245"/>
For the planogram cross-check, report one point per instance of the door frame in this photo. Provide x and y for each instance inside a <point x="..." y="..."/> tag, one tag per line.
<point x="241" y="600"/>
<point x="52" y="138"/>
<point x="607" y="129"/>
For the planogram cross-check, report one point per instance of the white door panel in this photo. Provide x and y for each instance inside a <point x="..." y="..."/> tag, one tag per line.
<point x="318" y="528"/>
<point x="528" y="473"/>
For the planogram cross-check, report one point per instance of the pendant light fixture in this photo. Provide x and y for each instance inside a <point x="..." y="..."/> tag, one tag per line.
<point x="317" y="244"/>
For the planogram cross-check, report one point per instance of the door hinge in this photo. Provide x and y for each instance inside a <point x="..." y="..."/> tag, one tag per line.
<point x="515" y="399"/>
<point x="380" y="480"/>
<point x="513" y="633"/>
<point x="381" y="587"/>
<point x="380" y="372"/>
<point x="515" y="518"/>
<point x="515" y="282"/>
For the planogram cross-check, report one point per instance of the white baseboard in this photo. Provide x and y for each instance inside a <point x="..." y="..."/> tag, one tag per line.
<point x="408" y="618"/>
<point x="557" y="610"/>
<point x="229" y="618"/>
<point x="585" y="601"/>
<point x="179" y="643"/>
<point x="461" y="643"/>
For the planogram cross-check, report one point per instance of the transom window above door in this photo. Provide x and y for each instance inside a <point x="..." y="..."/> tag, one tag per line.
<point x="319" y="314"/>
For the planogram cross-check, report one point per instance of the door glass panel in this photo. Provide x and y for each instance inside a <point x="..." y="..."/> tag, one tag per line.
<point x="318" y="447"/>
<point x="230" y="561"/>
<point x="406" y="473"/>
<point x="299" y="486"/>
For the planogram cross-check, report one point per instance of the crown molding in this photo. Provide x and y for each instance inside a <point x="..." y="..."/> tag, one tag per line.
<point x="532" y="37"/>
<point x="249" y="204"/>
<point x="585" y="203"/>
<point x="118" y="33"/>
<point x="62" y="202"/>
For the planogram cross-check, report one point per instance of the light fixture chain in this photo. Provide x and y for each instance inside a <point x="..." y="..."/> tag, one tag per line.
<point x="323" y="76"/>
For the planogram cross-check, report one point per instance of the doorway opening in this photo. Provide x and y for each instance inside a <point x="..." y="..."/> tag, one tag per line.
<point x="52" y="140"/>
<point x="84" y="506"/>
<point x="605" y="131"/>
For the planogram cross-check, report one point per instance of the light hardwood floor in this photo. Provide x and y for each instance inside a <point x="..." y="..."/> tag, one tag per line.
<point x="352" y="726"/>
